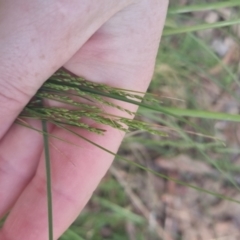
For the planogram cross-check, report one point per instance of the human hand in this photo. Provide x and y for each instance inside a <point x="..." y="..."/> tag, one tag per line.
<point x="112" y="42"/>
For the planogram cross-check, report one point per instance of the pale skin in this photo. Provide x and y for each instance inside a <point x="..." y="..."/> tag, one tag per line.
<point x="109" y="41"/>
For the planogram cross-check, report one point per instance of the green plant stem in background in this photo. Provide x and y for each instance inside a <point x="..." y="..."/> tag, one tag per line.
<point x="204" y="7"/>
<point x="215" y="57"/>
<point x="178" y="30"/>
<point x="69" y="234"/>
<point x="199" y="114"/>
<point x="48" y="177"/>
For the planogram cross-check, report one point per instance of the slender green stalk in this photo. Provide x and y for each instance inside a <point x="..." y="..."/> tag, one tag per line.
<point x="198" y="114"/>
<point x="70" y="234"/>
<point x="48" y="177"/>
<point x="215" y="57"/>
<point x="178" y="30"/>
<point x="204" y="7"/>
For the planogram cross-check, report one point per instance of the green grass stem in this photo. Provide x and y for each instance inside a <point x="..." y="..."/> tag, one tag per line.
<point x="48" y="180"/>
<point x="204" y="7"/>
<point x="205" y="26"/>
<point x="198" y="114"/>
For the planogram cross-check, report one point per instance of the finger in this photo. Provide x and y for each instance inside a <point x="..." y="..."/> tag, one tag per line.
<point x="123" y="51"/>
<point x="75" y="174"/>
<point x="21" y="149"/>
<point x="37" y="38"/>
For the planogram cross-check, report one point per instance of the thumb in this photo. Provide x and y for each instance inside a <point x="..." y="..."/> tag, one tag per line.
<point x="37" y="38"/>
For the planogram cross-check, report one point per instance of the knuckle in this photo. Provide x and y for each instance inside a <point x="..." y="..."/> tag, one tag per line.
<point x="10" y="93"/>
<point x="39" y="183"/>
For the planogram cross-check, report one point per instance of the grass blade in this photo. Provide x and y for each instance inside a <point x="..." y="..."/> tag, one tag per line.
<point x="123" y="212"/>
<point x="70" y="234"/>
<point x="197" y="114"/>
<point x="168" y="32"/>
<point x="204" y="7"/>
<point x="175" y="112"/>
<point x="48" y="176"/>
